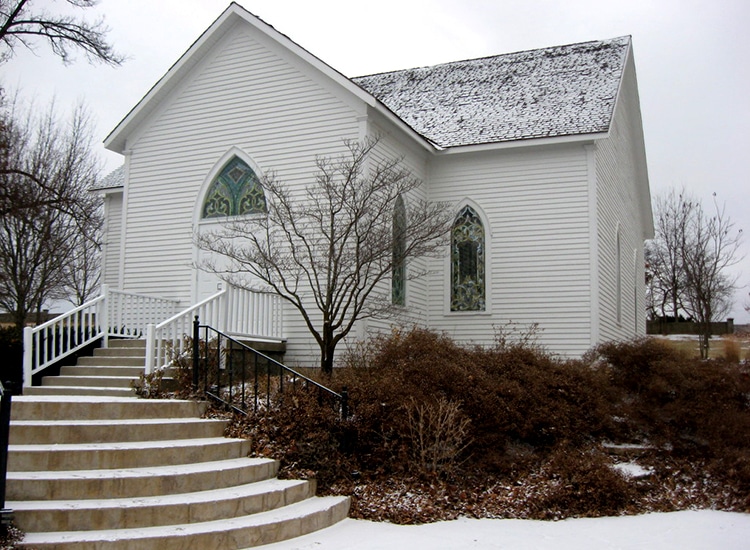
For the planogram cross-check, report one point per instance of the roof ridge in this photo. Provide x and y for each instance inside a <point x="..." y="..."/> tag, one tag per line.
<point x="626" y="37"/>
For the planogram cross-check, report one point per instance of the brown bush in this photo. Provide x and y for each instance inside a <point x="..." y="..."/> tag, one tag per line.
<point x="302" y="431"/>
<point x="522" y="437"/>
<point x="581" y="483"/>
<point x="688" y="404"/>
<point x="515" y="396"/>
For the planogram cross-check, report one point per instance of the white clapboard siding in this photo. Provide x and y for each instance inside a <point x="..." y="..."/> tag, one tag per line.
<point x="112" y="240"/>
<point x="618" y="209"/>
<point x="416" y="160"/>
<point x="535" y="202"/>
<point x="242" y="95"/>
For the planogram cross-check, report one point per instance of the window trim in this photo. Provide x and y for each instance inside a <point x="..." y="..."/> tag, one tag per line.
<point x="448" y="264"/>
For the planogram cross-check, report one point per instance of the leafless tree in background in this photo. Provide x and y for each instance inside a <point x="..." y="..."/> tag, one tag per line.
<point x="21" y="25"/>
<point x="690" y="258"/>
<point x="39" y="240"/>
<point x="711" y="245"/>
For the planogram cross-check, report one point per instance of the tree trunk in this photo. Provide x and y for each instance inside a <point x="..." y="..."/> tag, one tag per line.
<point x="327" y="349"/>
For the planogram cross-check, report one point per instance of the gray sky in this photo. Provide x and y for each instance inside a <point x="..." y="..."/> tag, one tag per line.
<point x="691" y="59"/>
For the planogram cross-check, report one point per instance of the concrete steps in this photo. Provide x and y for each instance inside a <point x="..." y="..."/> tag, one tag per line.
<point x="110" y="371"/>
<point x="96" y="472"/>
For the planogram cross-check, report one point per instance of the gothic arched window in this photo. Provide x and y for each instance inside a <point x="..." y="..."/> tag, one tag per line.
<point x="398" y="272"/>
<point x="467" y="262"/>
<point x="236" y="191"/>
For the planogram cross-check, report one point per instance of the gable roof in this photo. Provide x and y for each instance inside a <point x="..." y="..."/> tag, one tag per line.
<point x="233" y="15"/>
<point x="551" y="92"/>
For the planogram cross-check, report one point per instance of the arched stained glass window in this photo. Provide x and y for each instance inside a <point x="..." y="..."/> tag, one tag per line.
<point x="398" y="273"/>
<point x="236" y="191"/>
<point x="467" y="262"/>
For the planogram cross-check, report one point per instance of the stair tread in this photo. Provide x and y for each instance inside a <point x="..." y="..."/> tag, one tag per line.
<point x="122" y="445"/>
<point x="70" y="389"/>
<point x="108" y="422"/>
<point x="148" y="471"/>
<point x="94" y="399"/>
<point x="211" y="495"/>
<point x="92" y="376"/>
<point x="291" y="512"/>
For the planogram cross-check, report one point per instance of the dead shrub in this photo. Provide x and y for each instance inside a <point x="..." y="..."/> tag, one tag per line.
<point x="305" y="433"/>
<point x="581" y="483"/>
<point x="732" y="349"/>
<point x="515" y="397"/>
<point x="438" y="433"/>
<point x="694" y="407"/>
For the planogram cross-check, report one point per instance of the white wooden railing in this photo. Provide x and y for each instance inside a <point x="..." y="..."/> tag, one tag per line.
<point x="238" y="312"/>
<point x="47" y="343"/>
<point x="129" y="314"/>
<point x="120" y="314"/>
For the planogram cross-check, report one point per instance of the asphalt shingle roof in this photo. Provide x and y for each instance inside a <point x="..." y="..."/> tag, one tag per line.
<point x="557" y="91"/>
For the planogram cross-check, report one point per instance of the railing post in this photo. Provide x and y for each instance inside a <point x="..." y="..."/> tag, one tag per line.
<point x="196" y="350"/>
<point x="104" y="316"/>
<point x="150" y="348"/>
<point x="28" y="355"/>
<point x="6" y="515"/>
<point x="344" y="403"/>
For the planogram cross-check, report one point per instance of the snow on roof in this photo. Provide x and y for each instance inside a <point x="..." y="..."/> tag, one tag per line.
<point x="116" y="178"/>
<point x="557" y="91"/>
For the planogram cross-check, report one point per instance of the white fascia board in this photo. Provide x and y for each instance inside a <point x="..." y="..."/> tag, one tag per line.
<point x="528" y="142"/>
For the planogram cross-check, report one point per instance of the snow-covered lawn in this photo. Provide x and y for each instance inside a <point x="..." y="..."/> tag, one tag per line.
<point x="689" y="530"/>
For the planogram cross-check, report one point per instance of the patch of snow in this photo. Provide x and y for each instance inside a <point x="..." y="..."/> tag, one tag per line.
<point x="632" y="470"/>
<point x="688" y="530"/>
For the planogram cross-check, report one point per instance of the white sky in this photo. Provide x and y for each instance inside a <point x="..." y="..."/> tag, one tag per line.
<point x="691" y="59"/>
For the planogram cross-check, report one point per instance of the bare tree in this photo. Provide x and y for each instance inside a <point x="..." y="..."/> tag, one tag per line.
<point x="710" y="246"/>
<point x="21" y="25"/>
<point x="82" y="270"/>
<point x="664" y="254"/>
<point x="37" y="242"/>
<point x="329" y="251"/>
<point x="689" y="260"/>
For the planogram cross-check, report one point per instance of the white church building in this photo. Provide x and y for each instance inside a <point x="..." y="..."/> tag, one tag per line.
<point x="539" y="153"/>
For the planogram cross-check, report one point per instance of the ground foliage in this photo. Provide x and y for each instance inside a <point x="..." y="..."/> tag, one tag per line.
<point x="441" y="430"/>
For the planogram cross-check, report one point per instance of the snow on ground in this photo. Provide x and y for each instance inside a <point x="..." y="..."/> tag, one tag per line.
<point x="688" y="530"/>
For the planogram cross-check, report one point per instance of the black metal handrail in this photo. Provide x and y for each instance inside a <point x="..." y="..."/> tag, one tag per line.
<point x="6" y="515"/>
<point x="240" y="377"/>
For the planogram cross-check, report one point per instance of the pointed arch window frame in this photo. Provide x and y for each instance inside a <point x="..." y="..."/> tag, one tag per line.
<point x="481" y="255"/>
<point x="235" y="187"/>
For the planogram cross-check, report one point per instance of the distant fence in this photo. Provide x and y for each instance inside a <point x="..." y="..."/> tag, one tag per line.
<point x="659" y="326"/>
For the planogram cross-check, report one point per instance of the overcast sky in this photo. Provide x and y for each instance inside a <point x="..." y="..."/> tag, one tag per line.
<point x="691" y="60"/>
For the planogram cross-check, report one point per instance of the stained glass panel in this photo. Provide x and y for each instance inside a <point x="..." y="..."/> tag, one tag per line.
<point x="467" y="262"/>
<point x="398" y="275"/>
<point x="236" y="191"/>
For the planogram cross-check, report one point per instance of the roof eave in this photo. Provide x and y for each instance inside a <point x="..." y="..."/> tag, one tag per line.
<point x="526" y="142"/>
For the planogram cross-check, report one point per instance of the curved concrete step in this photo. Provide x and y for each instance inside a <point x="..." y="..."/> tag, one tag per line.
<point x="70" y="407"/>
<point x="130" y="454"/>
<point x="241" y="532"/>
<point x="78" y="370"/>
<point x="41" y="432"/>
<point x="90" y="381"/>
<point x="112" y="361"/>
<point x="132" y="351"/>
<point x="138" y="482"/>
<point x="79" y="390"/>
<point x="126" y="513"/>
